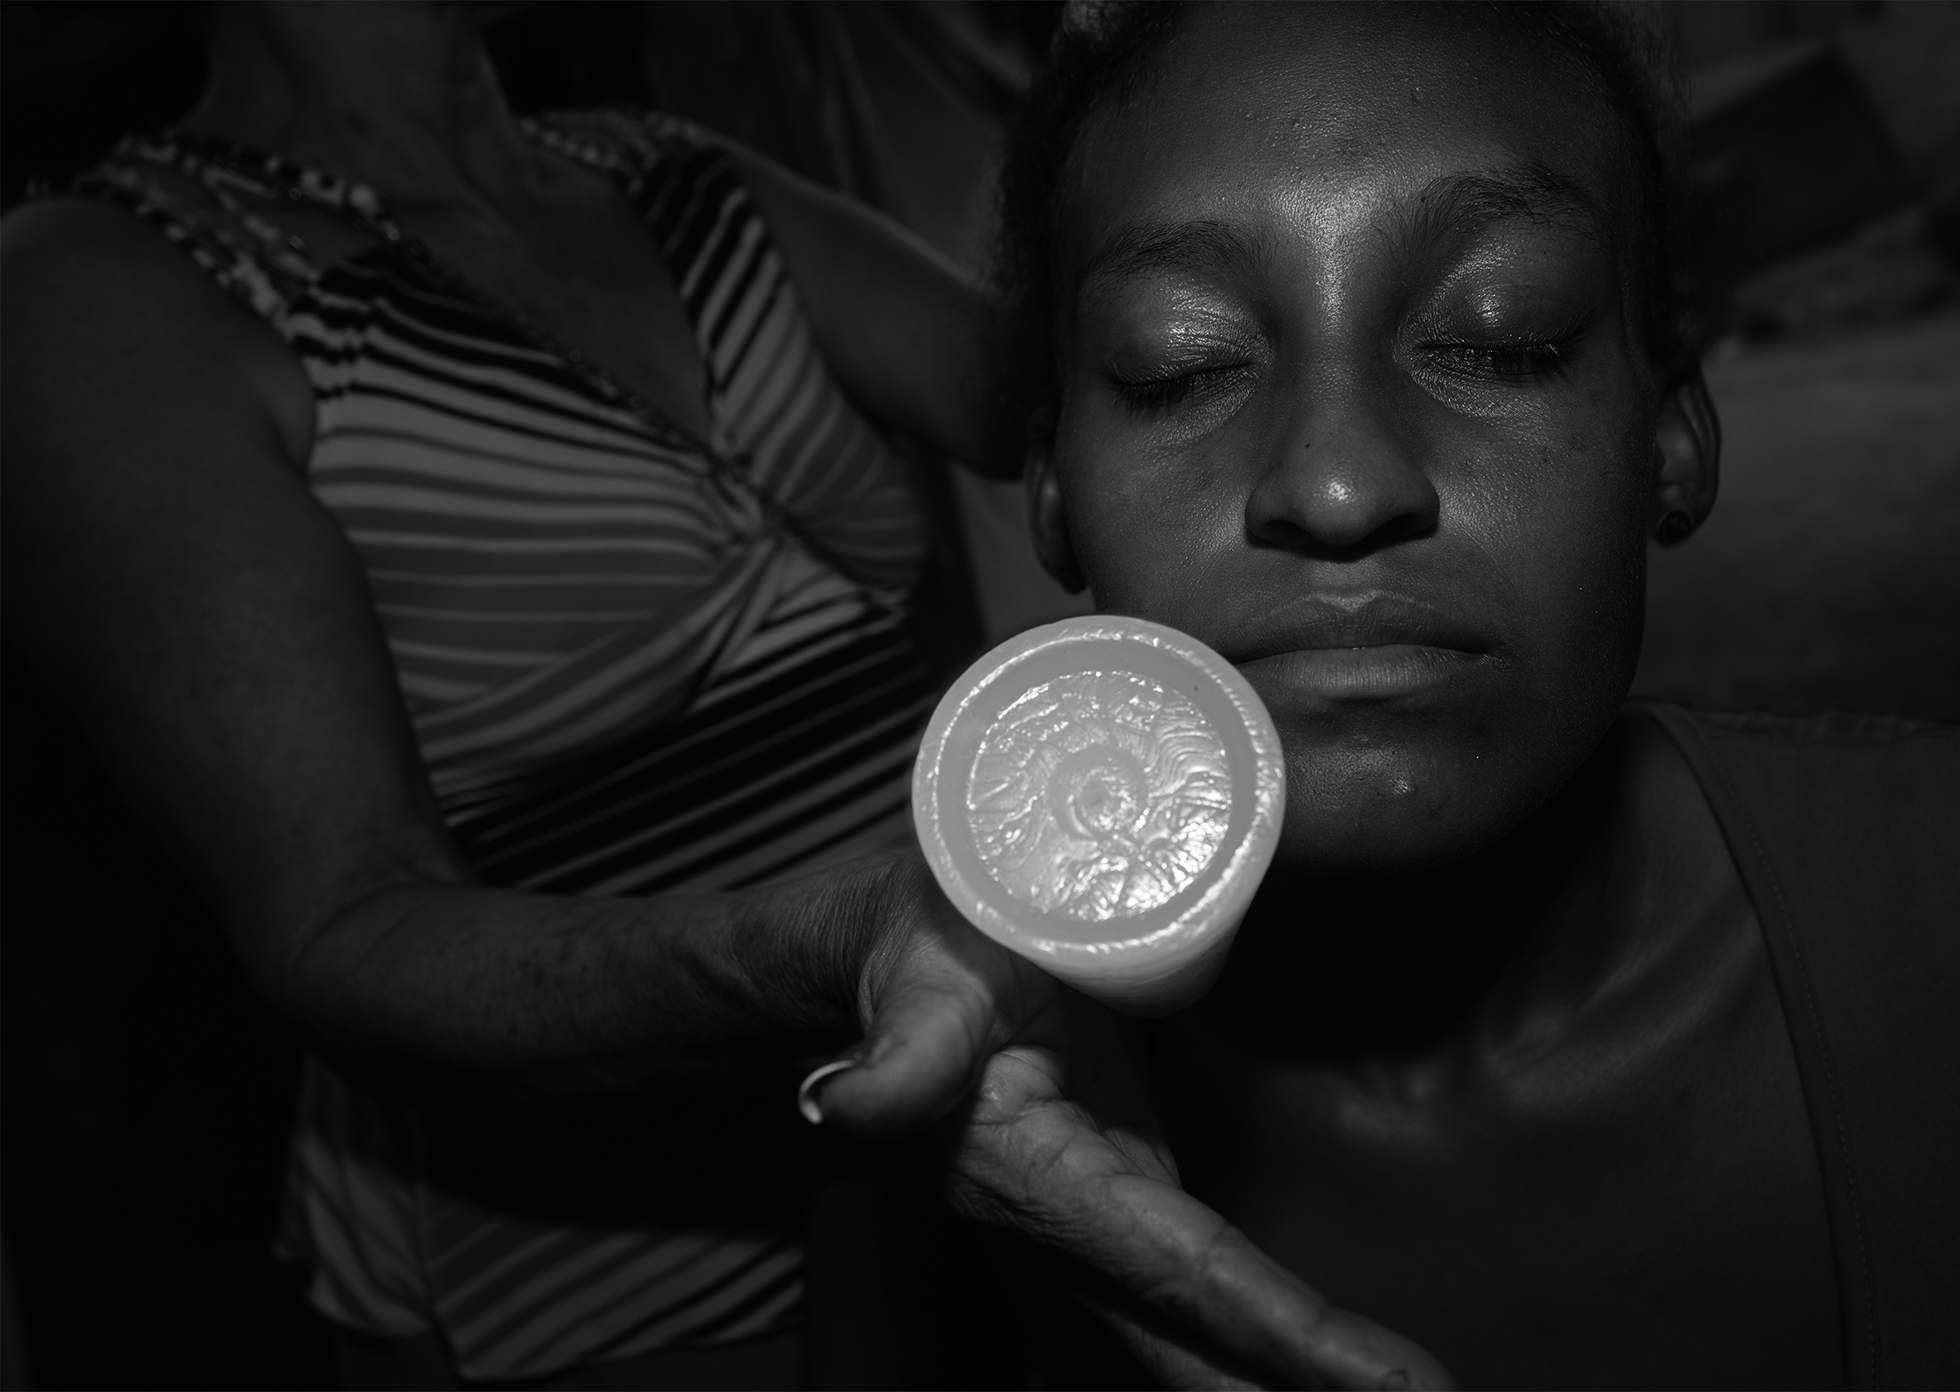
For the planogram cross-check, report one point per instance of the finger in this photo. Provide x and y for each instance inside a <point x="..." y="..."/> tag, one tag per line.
<point x="941" y="1015"/>
<point x="1040" y="1165"/>
<point x="1103" y="1079"/>
<point x="1184" y="1261"/>
<point x="923" y="1054"/>
<point x="1171" y="1364"/>
<point x="1264" y="1314"/>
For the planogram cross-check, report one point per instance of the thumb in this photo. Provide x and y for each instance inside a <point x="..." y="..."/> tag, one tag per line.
<point x="923" y="1053"/>
<point x="945" y="1005"/>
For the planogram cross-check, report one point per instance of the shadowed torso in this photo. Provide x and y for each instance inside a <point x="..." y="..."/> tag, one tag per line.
<point x="1559" y="1143"/>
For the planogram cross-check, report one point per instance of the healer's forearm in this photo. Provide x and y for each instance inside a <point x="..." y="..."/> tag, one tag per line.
<point x="910" y="334"/>
<point x="467" y="994"/>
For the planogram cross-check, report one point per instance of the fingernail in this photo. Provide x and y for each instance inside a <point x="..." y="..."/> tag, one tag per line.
<point x="806" y="1095"/>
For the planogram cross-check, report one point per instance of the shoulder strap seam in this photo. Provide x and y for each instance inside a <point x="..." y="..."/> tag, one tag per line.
<point x="160" y="212"/>
<point x="233" y="266"/>
<point x="1773" y="728"/>
<point x="1762" y="883"/>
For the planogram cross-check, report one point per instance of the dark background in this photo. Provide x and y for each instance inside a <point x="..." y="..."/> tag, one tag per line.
<point x="143" y="1093"/>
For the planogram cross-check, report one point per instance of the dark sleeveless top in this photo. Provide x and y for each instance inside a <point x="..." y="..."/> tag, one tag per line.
<point x="1672" y="1098"/>
<point x="1846" y="830"/>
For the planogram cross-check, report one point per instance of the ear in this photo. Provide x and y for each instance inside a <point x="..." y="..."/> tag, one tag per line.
<point x="1049" y="521"/>
<point x="1687" y="458"/>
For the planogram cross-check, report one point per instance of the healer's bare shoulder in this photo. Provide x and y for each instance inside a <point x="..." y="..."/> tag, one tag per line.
<point x="105" y="321"/>
<point x="170" y="576"/>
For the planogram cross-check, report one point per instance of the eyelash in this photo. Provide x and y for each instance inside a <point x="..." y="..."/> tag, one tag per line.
<point x="1511" y="362"/>
<point x="1508" y="362"/>
<point x="1150" y="395"/>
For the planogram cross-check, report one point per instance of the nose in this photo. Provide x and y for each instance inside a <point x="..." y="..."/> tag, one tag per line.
<point x="1341" y="480"/>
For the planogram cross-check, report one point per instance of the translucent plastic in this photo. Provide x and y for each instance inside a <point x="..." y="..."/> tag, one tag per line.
<point x="1103" y="796"/>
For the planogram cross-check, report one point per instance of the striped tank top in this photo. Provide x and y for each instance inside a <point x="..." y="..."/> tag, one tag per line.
<point x="635" y="661"/>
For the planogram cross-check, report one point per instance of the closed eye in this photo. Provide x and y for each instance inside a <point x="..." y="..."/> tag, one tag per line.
<point x="1153" y="394"/>
<point x="1511" y="362"/>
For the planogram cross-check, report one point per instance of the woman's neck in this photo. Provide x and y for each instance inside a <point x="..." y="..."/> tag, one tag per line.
<point x="398" y="95"/>
<point x="1393" y="963"/>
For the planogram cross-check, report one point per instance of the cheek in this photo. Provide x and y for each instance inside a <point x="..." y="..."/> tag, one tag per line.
<point x="1142" y="519"/>
<point x="1564" y="515"/>
<point x="1566" y="519"/>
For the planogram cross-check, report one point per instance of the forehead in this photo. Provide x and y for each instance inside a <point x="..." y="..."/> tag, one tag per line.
<point x="1327" y="120"/>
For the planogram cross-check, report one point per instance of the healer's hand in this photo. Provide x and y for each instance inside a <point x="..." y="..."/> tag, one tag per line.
<point x="1058" y="1142"/>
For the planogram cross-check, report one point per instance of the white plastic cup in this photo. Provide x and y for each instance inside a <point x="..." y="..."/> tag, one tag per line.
<point x="1103" y="796"/>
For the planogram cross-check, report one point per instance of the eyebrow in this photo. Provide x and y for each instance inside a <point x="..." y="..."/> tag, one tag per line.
<point x="1446" y="205"/>
<point x="1145" y="247"/>
<point x="1532" y="193"/>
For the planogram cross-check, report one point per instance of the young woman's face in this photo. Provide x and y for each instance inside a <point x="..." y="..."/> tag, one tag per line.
<point x="1353" y="393"/>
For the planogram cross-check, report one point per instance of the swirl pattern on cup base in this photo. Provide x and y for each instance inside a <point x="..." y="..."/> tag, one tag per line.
<point x="1099" y="795"/>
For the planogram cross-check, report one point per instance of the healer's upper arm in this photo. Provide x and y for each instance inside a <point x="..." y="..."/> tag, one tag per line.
<point x="906" y="331"/>
<point x="171" y="578"/>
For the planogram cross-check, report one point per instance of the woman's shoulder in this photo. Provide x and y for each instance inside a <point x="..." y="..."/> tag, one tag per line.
<point x="1868" y="798"/>
<point x="83" y="275"/>
<point x="56" y="230"/>
<point x="155" y="210"/>
<point x="76" y="255"/>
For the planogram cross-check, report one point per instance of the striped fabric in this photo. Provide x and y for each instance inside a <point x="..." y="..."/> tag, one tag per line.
<point x="634" y="661"/>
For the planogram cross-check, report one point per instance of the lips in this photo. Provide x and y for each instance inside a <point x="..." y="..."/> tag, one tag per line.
<point x="1370" y="645"/>
<point x="1364" y="619"/>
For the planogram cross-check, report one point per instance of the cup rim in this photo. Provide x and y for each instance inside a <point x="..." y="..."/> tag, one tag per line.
<point x="1223" y="890"/>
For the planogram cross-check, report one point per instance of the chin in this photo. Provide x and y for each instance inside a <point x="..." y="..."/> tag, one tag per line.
<point x="1378" y="811"/>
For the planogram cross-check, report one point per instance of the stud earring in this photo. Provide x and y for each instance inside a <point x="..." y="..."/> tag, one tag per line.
<point x="1674" y="529"/>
